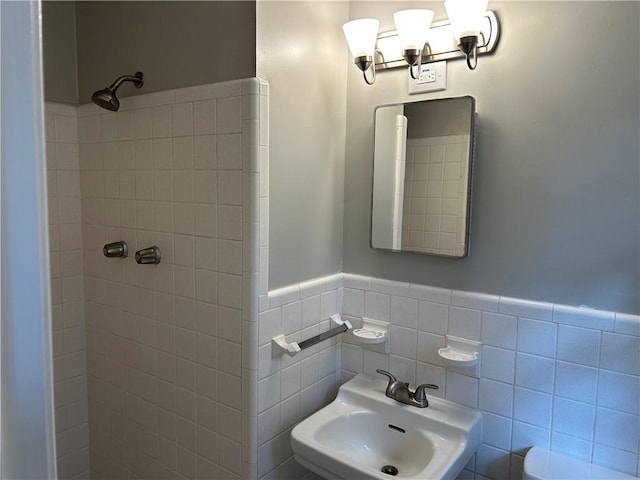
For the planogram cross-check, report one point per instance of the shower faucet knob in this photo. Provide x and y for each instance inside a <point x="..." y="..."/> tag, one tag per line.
<point x="115" y="249"/>
<point x="148" y="256"/>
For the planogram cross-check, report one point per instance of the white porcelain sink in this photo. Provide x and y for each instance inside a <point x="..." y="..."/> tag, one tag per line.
<point x="363" y="432"/>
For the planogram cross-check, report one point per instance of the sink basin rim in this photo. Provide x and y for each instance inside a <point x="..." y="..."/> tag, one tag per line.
<point x="450" y="421"/>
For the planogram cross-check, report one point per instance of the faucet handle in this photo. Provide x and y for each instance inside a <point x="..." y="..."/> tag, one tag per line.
<point x="431" y="386"/>
<point x="395" y="388"/>
<point x="390" y="376"/>
<point x="421" y="395"/>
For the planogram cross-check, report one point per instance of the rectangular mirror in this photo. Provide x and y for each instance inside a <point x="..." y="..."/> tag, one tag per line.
<point x="423" y="155"/>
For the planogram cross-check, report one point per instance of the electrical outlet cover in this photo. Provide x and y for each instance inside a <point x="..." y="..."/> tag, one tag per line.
<point x="432" y="78"/>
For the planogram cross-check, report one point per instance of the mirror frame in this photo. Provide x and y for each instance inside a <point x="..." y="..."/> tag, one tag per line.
<point x="472" y="144"/>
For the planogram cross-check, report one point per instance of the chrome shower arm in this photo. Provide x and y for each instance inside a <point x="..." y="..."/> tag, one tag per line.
<point x="137" y="79"/>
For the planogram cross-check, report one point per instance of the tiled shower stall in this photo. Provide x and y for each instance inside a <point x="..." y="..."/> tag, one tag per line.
<point x="149" y="367"/>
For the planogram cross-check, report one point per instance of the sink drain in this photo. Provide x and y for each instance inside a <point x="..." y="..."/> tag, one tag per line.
<point x="389" y="470"/>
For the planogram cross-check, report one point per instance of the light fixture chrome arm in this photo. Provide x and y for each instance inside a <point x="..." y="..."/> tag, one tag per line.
<point x="469" y="46"/>
<point x="413" y="57"/>
<point x="364" y="63"/>
<point x="413" y="31"/>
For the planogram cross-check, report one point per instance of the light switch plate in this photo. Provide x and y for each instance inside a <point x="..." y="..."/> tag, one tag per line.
<point x="432" y="78"/>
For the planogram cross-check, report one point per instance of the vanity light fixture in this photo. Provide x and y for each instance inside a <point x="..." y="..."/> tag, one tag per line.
<point x="470" y="30"/>
<point x="361" y="36"/>
<point x="466" y="18"/>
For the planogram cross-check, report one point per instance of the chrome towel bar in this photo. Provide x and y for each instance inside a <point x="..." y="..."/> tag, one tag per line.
<point x="292" y="348"/>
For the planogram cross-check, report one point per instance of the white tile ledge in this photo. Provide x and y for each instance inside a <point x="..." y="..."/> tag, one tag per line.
<point x="391" y="287"/>
<point x="476" y="301"/>
<point x="210" y="91"/>
<point x="627" y="324"/>
<point x="314" y="286"/>
<point x="283" y="295"/>
<point x="361" y="282"/>
<point x="311" y="287"/>
<point x="251" y="86"/>
<point x="526" y="308"/>
<point x="582" y="316"/>
<point x="431" y="294"/>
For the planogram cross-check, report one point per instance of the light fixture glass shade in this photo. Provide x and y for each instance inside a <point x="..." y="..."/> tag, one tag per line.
<point x="361" y="36"/>
<point x="466" y="16"/>
<point x="413" y="27"/>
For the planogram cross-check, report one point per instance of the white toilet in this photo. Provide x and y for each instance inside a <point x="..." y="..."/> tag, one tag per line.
<point x="542" y="464"/>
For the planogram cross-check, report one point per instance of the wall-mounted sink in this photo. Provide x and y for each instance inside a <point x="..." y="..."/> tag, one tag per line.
<point x="364" y="434"/>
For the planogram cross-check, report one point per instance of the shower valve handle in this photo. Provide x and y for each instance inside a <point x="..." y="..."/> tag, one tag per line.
<point x="148" y="256"/>
<point x="115" y="249"/>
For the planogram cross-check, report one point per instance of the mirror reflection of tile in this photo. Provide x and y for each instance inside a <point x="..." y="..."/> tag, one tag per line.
<point x="435" y="191"/>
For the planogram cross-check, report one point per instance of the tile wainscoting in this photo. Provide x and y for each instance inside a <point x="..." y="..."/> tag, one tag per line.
<point x="292" y="388"/>
<point x="551" y="375"/>
<point x="157" y="384"/>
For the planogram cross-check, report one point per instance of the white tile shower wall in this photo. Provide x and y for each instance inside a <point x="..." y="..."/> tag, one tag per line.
<point x="67" y="291"/>
<point x="165" y="361"/>
<point x="291" y="388"/>
<point x="555" y="376"/>
<point x="435" y="192"/>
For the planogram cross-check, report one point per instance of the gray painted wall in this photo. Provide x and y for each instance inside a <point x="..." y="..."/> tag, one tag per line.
<point x="556" y="202"/>
<point x="60" y="70"/>
<point x="556" y="189"/>
<point x="87" y="45"/>
<point x="176" y="44"/>
<point x="302" y="54"/>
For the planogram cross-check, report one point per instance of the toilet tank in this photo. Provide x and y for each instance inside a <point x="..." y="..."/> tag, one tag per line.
<point x="542" y="464"/>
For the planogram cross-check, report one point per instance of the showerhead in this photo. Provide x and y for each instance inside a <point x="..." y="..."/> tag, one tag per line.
<point x="107" y="98"/>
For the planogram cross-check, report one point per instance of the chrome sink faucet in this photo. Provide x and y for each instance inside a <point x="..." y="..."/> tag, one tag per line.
<point x="400" y="392"/>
